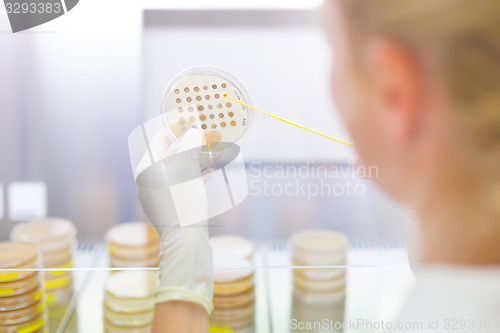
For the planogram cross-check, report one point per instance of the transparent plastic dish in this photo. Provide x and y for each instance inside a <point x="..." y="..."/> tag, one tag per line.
<point x="195" y="99"/>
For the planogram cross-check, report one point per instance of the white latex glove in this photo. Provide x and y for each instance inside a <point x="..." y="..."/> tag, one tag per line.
<point x="172" y="194"/>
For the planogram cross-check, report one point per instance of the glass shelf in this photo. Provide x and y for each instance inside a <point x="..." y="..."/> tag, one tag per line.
<point x="377" y="278"/>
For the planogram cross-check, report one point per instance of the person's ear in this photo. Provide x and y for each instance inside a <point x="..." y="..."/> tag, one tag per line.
<point x="397" y="88"/>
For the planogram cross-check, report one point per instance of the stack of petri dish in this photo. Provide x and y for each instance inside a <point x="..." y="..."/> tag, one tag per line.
<point x="22" y="296"/>
<point x="56" y="240"/>
<point x="134" y="244"/>
<point x="317" y="248"/>
<point x="129" y="301"/>
<point x="234" y="286"/>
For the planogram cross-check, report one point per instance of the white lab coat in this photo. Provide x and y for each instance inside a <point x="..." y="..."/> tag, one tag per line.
<point x="454" y="299"/>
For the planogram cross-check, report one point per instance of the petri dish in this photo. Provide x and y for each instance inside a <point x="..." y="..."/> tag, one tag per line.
<point x="22" y="315"/>
<point x="146" y="262"/>
<point x="60" y="296"/>
<point x="234" y="300"/>
<point x="135" y="304"/>
<point x="21" y="256"/>
<point x="130" y="291"/>
<point x="59" y="258"/>
<point x="232" y="314"/>
<point x="319" y="285"/>
<point x="48" y="235"/>
<point x="34" y="325"/>
<point x="308" y="297"/>
<point x="113" y="328"/>
<point x="195" y="99"/>
<point x="132" y="240"/>
<point x="318" y="273"/>
<point x="138" y="318"/>
<point x="59" y="281"/>
<point x="21" y="286"/>
<point x="234" y="275"/>
<point x="319" y="247"/>
<point x="232" y="245"/>
<point x="234" y="324"/>
<point x="10" y="303"/>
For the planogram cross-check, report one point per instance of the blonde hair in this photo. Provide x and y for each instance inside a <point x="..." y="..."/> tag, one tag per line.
<point x="462" y="40"/>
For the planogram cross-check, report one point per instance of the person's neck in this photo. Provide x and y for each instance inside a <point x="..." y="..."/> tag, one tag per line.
<point x="459" y="230"/>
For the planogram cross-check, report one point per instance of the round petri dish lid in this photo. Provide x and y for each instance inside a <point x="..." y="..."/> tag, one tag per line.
<point x="195" y="99"/>
<point x="232" y="245"/>
<point x="230" y="269"/>
<point x="132" y="284"/>
<point x="48" y="234"/>
<point x="134" y="234"/>
<point x="13" y="255"/>
<point x="318" y="241"/>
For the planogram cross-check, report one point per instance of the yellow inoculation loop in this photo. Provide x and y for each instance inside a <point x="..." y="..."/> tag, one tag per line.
<point x="226" y="95"/>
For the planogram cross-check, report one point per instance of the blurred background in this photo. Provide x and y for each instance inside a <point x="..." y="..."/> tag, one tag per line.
<point x="72" y="90"/>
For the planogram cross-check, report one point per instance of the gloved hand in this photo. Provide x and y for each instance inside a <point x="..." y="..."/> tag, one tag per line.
<point x="171" y="190"/>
